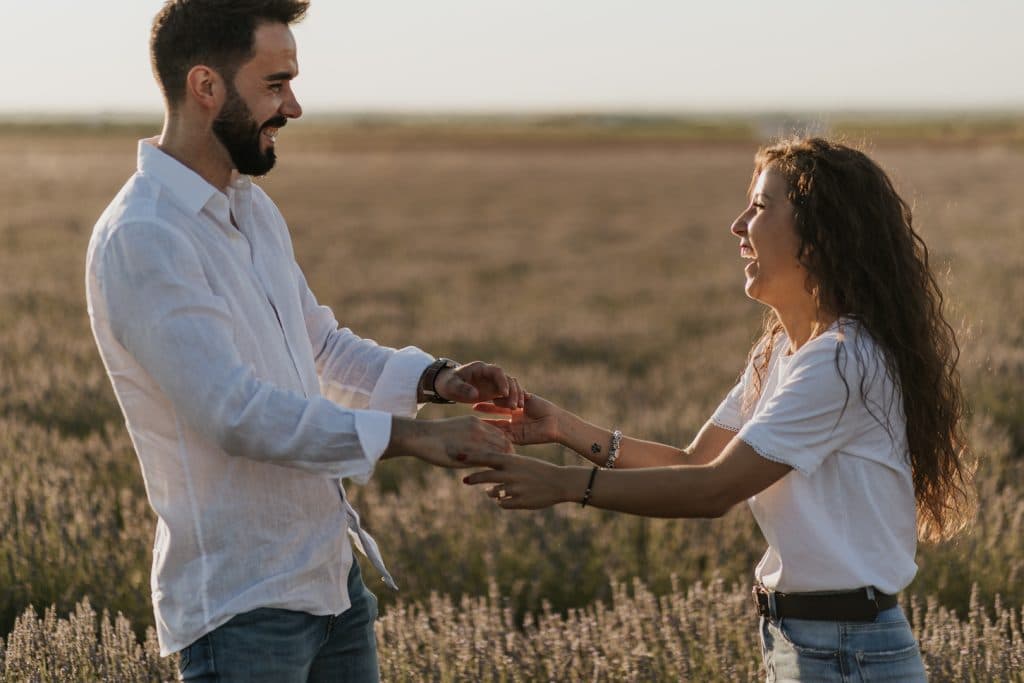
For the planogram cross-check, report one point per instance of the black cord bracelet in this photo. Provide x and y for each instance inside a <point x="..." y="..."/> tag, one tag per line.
<point x="590" y="487"/>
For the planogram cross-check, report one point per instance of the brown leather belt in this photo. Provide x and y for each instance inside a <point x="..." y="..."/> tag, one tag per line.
<point x="863" y="604"/>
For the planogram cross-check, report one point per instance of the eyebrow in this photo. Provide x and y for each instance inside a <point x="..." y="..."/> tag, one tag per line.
<point x="280" y="76"/>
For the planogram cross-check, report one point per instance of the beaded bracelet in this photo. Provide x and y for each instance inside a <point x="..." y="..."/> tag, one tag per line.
<point x="613" y="450"/>
<point x="590" y="487"/>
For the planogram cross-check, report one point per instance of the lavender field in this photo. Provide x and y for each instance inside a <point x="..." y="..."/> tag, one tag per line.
<point x="598" y="267"/>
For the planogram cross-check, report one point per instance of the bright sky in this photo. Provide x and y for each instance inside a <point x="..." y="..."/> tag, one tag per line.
<point x="558" y="55"/>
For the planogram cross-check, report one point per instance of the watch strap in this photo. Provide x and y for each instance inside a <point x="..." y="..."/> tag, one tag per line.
<point x="429" y="381"/>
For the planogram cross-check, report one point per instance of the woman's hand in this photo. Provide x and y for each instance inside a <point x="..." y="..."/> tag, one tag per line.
<point x="522" y="483"/>
<point x="539" y="421"/>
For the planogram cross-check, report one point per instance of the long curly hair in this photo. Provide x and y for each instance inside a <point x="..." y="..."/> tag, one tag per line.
<point x="866" y="262"/>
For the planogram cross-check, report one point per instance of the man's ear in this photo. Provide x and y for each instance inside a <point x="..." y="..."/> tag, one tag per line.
<point x="205" y="87"/>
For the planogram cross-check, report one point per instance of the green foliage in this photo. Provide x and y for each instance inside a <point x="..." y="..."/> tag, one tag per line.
<point x="605" y="279"/>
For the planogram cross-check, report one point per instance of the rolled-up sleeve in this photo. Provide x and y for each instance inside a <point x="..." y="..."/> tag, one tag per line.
<point x="163" y="311"/>
<point x="357" y="372"/>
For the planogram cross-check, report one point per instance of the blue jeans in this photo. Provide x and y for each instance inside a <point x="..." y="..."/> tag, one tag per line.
<point x="290" y="647"/>
<point x="805" y="650"/>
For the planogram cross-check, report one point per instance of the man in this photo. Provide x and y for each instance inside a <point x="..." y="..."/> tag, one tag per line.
<point x="218" y="353"/>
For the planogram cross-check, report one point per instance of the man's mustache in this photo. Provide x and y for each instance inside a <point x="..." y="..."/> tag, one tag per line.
<point x="276" y="122"/>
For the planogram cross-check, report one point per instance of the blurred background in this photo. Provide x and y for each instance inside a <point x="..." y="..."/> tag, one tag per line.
<point x="647" y="56"/>
<point x="581" y="162"/>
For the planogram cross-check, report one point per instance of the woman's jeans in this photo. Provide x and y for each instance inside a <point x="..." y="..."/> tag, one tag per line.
<point x="805" y="650"/>
<point x="290" y="647"/>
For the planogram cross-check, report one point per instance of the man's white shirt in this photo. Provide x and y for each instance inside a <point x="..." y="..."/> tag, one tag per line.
<point x="244" y="400"/>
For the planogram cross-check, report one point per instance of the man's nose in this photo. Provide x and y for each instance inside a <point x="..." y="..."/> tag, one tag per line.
<point x="291" y="108"/>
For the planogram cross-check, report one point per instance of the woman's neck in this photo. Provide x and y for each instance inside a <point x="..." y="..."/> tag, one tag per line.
<point x="803" y="323"/>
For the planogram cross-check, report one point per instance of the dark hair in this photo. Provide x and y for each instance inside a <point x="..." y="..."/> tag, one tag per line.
<point x="866" y="262"/>
<point x="217" y="33"/>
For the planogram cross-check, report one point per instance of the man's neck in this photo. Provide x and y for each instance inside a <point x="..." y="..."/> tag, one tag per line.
<point x="198" y="149"/>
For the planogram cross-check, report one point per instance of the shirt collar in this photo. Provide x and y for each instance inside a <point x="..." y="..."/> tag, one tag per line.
<point x="190" y="188"/>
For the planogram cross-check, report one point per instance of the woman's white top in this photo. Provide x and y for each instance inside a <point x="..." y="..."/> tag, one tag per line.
<point x="845" y="516"/>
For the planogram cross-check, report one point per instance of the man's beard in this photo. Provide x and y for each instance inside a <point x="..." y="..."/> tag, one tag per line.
<point x="238" y="131"/>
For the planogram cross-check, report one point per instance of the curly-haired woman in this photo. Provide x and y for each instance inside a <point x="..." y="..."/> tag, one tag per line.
<point x="844" y="433"/>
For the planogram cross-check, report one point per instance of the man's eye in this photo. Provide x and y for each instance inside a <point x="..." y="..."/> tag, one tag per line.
<point x="276" y="87"/>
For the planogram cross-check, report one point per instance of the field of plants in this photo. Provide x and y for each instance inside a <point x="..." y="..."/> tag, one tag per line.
<point x="595" y="265"/>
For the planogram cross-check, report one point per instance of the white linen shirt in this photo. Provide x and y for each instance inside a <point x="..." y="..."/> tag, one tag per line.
<point x="218" y="353"/>
<point x="844" y="518"/>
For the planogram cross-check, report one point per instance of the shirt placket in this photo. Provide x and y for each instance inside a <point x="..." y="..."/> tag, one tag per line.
<point x="363" y="541"/>
<point x="242" y="212"/>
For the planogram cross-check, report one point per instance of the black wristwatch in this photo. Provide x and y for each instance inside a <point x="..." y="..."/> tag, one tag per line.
<point x="429" y="379"/>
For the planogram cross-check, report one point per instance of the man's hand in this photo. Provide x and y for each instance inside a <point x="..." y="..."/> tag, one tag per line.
<point x="537" y="422"/>
<point x="479" y="381"/>
<point x="445" y="443"/>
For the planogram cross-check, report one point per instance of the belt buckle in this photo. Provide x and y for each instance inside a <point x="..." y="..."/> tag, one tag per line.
<point x="872" y="597"/>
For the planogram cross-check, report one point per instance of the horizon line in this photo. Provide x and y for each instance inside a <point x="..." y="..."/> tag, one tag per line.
<point x="146" y="115"/>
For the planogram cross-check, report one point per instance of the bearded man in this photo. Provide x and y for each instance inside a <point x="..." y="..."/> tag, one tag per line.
<point x="246" y="403"/>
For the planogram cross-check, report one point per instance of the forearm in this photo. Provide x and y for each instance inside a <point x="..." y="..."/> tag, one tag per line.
<point x="255" y="420"/>
<point x="669" y="492"/>
<point x="356" y="372"/>
<point x="678" y="491"/>
<point x="405" y="435"/>
<point x="593" y="443"/>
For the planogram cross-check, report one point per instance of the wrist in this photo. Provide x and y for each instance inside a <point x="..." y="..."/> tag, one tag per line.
<point x="588" y="440"/>
<point x="403" y="436"/>
<point x="576" y="484"/>
<point x="567" y="427"/>
<point x="433" y="377"/>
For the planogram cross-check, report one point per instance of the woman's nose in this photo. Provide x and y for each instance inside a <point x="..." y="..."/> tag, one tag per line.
<point x="739" y="226"/>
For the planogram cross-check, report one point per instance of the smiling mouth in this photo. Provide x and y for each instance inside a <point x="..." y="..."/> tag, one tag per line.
<point x="270" y="134"/>
<point x="747" y="253"/>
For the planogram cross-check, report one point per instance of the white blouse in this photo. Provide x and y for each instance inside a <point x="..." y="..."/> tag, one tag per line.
<point x="844" y="518"/>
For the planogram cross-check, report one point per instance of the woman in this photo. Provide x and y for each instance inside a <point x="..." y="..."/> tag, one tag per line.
<point x="844" y="433"/>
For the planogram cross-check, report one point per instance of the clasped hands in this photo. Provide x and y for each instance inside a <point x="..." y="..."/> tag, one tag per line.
<point x="519" y="482"/>
<point x="517" y="418"/>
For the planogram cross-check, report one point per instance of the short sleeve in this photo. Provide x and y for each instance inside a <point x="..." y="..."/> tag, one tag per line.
<point x="729" y="414"/>
<point x="799" y="424"/>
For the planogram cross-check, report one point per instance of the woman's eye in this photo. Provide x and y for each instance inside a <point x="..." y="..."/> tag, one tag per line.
<point x="758" y="206"/>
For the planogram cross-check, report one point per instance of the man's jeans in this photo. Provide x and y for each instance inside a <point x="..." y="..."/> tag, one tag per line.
<point x="805" y="650"/>
<point x="290" y="647"/>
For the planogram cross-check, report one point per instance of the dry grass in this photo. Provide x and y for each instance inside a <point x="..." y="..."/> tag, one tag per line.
<point x="605" y="277"/>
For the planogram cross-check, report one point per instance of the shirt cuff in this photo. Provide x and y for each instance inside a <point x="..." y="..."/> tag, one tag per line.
<point x="395" y="390"/>
<point x="373" y="428"/>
